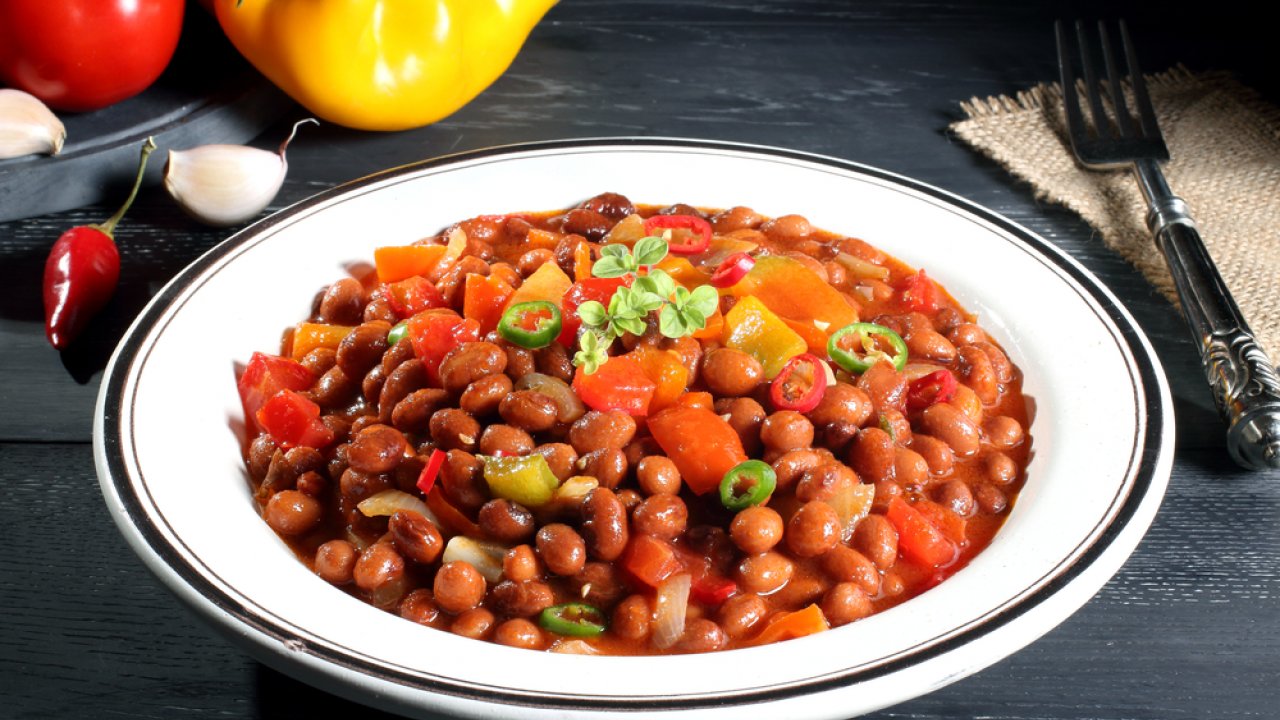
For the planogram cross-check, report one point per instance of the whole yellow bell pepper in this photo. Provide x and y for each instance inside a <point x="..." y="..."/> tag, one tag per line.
<point x="380" y="64"/>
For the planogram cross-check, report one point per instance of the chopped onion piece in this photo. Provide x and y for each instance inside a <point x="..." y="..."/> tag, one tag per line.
<point x="575" y="489"/>
<point x="865" y="291"/>
<point x="574" y="647"/>
<point x="915" y="371"/>
<point x="829" y="372"/>
<point x="483" y="556"/>
<point x="670" y="609"/>
<point x="389" y="502"/>
<point x="628" y="230"/>
<point x="569" y="406"/>
<point x="861" y="268"/>
<point x="852" y="503"/>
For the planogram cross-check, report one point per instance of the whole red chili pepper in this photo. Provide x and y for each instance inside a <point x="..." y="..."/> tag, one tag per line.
<point x="81" y="272"/>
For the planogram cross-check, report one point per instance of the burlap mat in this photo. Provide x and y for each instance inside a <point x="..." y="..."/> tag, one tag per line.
<point x="1225" y="145"/>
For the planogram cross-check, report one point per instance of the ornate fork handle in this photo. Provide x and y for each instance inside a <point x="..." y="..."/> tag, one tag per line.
<point x="1242" y="378"/>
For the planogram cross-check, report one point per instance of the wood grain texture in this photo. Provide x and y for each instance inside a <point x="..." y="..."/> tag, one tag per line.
<point x="1187" y="629"/>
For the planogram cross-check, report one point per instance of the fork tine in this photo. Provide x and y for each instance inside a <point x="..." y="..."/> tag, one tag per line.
<point x="1071" y="100"/>
<point x="1142" y="101"/>
<point x="1100" y="123"/>
<point x="1124" y="122"/>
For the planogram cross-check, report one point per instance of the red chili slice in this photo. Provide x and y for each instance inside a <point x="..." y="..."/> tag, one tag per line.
<point x="734" y="268"/>
<point x="698" y="240"/>
<point x="801" y="384"/>
<point x="427" y="479"/>
<point x="938" y="386"/>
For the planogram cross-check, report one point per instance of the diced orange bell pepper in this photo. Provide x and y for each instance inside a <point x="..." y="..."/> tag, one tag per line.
<point x="701" y="443"/>
<point x="713" y="328"/>
<point x="483" y="299"/>
<point x="683" y="271"/>
<point x="754" y="329"/>
<point x="650" y="560"/>
<point x="398" y="262"/>
<point x="697" y="399"/>
<point x="309" y="336"/>
<point x="581" y="262"/>
<point x="538" y="238"/>
<point x="945" y="519"/>
<point x="547" y="283"/>
<point x="790" y="289"/>
<point x="813" y="337"/>
<point x="664" y="368"/>
<point x="789" y="625"/>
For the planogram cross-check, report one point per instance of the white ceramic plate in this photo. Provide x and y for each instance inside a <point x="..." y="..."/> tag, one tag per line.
<point x="1103" y="441"/>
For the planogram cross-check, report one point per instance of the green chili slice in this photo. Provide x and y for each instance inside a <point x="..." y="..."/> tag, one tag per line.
<point x="858" y="346"/>
<point x="398" y="332"/>
<point x="749" y="483"/>
<point x="574" y="618"/>
<point x="531" y="325"/>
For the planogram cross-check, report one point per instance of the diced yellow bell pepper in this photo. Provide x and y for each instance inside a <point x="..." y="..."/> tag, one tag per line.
<point x="547" y="283"/>
<point x="751" y="327"/>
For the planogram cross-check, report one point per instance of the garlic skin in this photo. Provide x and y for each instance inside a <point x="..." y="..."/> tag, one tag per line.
<point x="224" y="185"/>
<point x="28" y="126"/>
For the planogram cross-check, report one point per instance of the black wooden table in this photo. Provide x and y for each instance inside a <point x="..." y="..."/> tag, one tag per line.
<point x="1189" y="628"/>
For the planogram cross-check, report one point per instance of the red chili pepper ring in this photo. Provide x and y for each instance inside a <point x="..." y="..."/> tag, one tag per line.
<point x="696" y="242"/>
<point x="801" y="384"/>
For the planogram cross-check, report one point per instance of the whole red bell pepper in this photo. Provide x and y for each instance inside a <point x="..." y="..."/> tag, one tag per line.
<point x="81" y="272"/>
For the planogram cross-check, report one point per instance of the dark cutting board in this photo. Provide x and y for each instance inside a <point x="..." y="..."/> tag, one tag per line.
<point x="208" y="94"/>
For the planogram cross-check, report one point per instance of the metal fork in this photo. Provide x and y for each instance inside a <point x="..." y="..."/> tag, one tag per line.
<point x="1241" y="376"/>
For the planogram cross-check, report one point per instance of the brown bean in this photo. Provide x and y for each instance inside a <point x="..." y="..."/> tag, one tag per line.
<point x="561" y="549"/>
<point x="885" y="387"/>
<point x="658" y="475"/>
<point x="604" y="524"/>
<point x="413" y="413"/>
<point x="813" y="529"/>
<point x="420" y="607"/>
<point x="871" y="455"/>
<point x="462" y="478"/>
<point x="730" y="372"/>
<point x="507" y="273"/>
<point x="290" y="512"/>
<point x="937" y="455"/>
<point x="596" y="430"/>
<point x="786" y="430"/>
<point x="1000" y="365"/>
<point x="845" y="603"/>
<point x="897" y="425"/>
<point x="966" y="334"/>
<point x="458" y="587"/>
<point x="362" y="348"/>
<point x="690" y="352"/>
<point x="991" y="499"/>
<point x="342" y="302"/>
<point x="787" y="228"/>
<point x="977" y="373"/>
<point x="371" y="384"/>
<point x="765" y="572"/>
<point x="519" y="633"/>
<point x="825" y="482"/>
<point x="379" y="308"/>
<point x="475" y="623"/>
<point x="261" y="452"/>
<point x="452" y="428"/>
<point x="631" y="618"/>
<point x="756" y="529"/>
<point x="1001" y="469"/>
<point x="587" y="223"/>
<point x="520" y="361"/>
<point x="533" y="259"/>
<point x="504" y="440"/>
<point x="554" y="360"/>
<point x="1002" y="431"/>
<point x="926" y="344"/>
<point x="333" y="389"/>
<point x="885" y="492"/>
<point x="662" y="516"/>
<point x="607" y="465"/>
<point x="396" y="354"/>
<point x="520" y="564"/>
<point x="522" y="599"/>
<point x="408" y="376"/>
<point x="319" y="360"/>
<point x="377" y="449"/>
<point x="611" y="205"/>
<point x="379" y="565"/>
<point x="469" y="362"/>
<point x="560" y="457"/>
<point x="355" y="486"/>
<point x="598" y="584"/>
<point x="452" y="283"/>
<point x="529" y="410"/>
<point x="335" y="560"/>
<point x="506" y="521"/>
<point x="955" y="495"/>
<point x="844" y="564"/>
<point x="950" y="425"/>
<point x="483" y="397"/>
<point x="415" y="536"/>
<point x="875" y="537"/>
<point x="740" y="614"/>
<point x="842" y="403"/>
<point x="702" y="635"/>
<point x="791" y="466"/>
<point x="909" y="468"/>
<point x="746" y="417"/>
<point x="736" y="218"/>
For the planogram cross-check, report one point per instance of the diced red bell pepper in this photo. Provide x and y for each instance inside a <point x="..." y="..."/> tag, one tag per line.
<point x="650" y="560"/>
<point x="599" y="289"/>
<point x="412" y="295"/>
<point x="619" y="384"/>
<point x="918" y="294"/>
<point x="937" y="387"/>
<point x="918" y="539"/>
<point x="701" y="443"/>
<point x="667" y="372"/>
<point x="435" y="332"/>
<point x="483" y="300"/>
<point x="294" y="421"/>
<point x="266" y="375"/>
<point x="398" y="262"/>
<point x="945" y="519"/>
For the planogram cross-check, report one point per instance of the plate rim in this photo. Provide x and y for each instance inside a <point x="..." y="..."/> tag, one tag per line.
<point x="1149" y="466"/>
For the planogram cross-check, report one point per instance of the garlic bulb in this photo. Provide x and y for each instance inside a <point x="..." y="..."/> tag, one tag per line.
<point x="226" y="184"/>
<point x="27" y="126"/>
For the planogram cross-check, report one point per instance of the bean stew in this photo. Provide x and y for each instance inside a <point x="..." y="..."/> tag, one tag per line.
<point x="623" y="429"/>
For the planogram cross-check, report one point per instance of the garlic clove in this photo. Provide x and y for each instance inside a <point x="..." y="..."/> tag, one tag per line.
<point x="226" y="184"/>
<point x="28" y="126"/>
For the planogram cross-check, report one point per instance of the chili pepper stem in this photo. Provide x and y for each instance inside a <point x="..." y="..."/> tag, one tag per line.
<point x="108" y="228"/>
